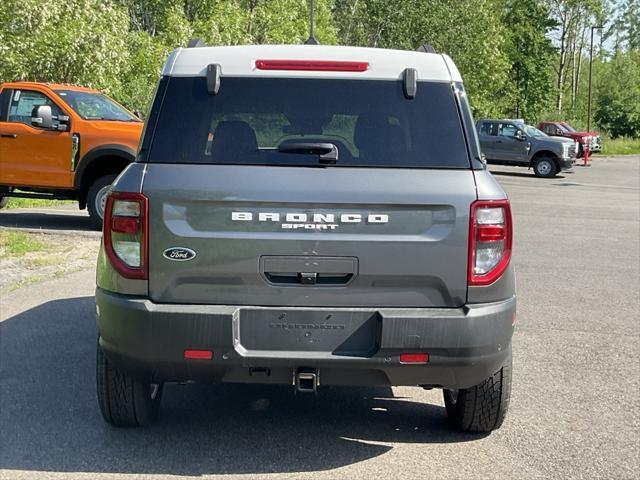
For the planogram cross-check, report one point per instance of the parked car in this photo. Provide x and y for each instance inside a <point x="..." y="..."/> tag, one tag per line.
<point x="61" y="141"/>
<point x="512" y="142"/>
<point x="564" y="129"/>
<point x="596" y="141"/>
<point x="317" y="215"/>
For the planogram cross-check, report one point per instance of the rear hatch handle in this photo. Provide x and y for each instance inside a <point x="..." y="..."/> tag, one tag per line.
<point x="297" y="270"/>
<point x="327" y="152"/>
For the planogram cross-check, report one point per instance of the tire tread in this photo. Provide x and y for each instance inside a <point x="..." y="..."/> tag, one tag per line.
<point x="124" y="401"/>
<point x="482" y="408"/>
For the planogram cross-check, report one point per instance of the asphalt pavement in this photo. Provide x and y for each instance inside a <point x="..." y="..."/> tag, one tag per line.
<point x="61" y="219"/>
<point x="575" y="409"/>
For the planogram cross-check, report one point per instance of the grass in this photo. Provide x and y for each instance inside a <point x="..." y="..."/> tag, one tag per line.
<point x="32" y="257"/>
<point x="45" y="261"/>
<point x="18" y="243"/>
<point x="35" y="203"/>
<point x="620" y="146"/>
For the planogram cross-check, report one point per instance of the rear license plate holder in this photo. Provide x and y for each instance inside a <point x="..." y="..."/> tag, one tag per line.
<point x="348" y="333"/>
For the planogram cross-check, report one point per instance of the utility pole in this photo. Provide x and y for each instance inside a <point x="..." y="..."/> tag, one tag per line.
<point x="599" y="27"/>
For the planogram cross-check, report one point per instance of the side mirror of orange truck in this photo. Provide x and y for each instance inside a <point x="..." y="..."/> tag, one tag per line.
<point x="42" y="117"/>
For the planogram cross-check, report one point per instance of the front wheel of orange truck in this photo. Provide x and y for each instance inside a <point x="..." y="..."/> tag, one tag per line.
<point x="97" y="198"/>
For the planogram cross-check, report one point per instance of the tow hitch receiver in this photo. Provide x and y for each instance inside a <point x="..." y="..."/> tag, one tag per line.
<point x="306" y="380"/>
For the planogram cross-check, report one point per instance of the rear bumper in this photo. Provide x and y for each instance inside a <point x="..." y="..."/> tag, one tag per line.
<point x="465" y="345"/>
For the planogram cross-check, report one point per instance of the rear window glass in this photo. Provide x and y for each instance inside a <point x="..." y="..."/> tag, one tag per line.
<point x="371" y="123"/>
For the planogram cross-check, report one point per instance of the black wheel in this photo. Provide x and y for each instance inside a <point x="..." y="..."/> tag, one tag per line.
<point x="545" y="167"/>
<point x="97" y="198"/>
<point x="481" y="408"/>
<point x="125" y="401"/>
<point x="4" y="201"/>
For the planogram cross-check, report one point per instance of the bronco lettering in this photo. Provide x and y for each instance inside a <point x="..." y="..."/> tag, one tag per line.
<point x="314" y="221"/>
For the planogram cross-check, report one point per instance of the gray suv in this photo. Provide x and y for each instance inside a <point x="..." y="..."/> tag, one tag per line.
<point x="512" y="142"/>
<point x="307" y="216"/>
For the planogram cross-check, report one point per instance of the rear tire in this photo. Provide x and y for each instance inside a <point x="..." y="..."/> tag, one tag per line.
<point x="96" y="199"/>
<point x="4" y="201"/>
<point x="481" y="408"/>
<point x="545" y="167"/>
<point x="125" y="401"/>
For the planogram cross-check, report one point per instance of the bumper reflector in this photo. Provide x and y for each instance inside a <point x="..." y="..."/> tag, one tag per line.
<point x="198" y="354"/>
<point x="414" y="357"/>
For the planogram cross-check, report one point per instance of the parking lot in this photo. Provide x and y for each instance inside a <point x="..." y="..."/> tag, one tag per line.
<point x="575" y="410"/>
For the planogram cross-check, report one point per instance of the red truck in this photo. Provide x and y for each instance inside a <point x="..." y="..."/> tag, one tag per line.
<point x="564" y="129"/>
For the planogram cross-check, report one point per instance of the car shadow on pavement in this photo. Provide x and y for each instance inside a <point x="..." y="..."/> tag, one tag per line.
<point x="48" y="220"/>
<point x="49" y="417"/>
<point x="525" y="174"/>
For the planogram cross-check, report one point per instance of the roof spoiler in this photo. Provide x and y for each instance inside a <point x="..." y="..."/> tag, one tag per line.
<point x="426" y="48"/>
<point x="196" y="43"/>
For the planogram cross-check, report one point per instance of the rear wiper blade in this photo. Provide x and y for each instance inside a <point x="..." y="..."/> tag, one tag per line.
<point x="328" y="152"/>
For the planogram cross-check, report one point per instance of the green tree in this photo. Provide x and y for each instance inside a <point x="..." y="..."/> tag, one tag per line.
<point x="625" y="27"/>
<point x="76" y="41"/>
<point x="530" y="52"/>
<point x="573" y="19"/>
<point x="287" y="21"/>
<point x="470" y="31"/>
<point x="617" y="106"/>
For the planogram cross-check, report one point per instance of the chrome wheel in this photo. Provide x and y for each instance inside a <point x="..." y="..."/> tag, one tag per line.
<point x="544" y="168"/>
<point x="101" y="200"/>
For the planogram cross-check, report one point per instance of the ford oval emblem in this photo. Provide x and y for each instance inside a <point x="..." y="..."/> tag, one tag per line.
<point x="179" y="254"/>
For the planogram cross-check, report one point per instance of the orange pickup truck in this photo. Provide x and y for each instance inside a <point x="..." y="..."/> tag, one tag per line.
<point x="61" y="141"/>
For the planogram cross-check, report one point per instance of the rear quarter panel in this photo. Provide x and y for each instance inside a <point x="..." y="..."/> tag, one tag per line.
<point x="505" y="287"/>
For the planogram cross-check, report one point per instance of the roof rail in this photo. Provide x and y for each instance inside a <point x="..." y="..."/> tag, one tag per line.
<point x="426" y="48"/>
<point x="196" y="43"/>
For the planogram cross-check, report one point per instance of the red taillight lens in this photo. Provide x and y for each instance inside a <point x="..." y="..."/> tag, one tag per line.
<point x="125" y="233"/>
<point x="125" y="225"/>
<point x="312" y="65"/>
<point x="490" y="241"/>
<point x="490" y="233"/>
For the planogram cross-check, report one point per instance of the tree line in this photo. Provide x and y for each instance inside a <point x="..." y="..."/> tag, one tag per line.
<point x="519" y="58"/>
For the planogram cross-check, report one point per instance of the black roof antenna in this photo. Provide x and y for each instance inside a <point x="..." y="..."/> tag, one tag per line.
<point x="311" y="40"/>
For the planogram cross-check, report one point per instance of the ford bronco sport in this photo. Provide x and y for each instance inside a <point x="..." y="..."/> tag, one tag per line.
<point x="307" y="215"/>
<point x="63" y="142"/>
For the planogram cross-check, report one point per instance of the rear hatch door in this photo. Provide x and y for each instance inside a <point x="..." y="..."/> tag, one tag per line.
<point x="241" y="214"/>
<point x="308" y="236"/>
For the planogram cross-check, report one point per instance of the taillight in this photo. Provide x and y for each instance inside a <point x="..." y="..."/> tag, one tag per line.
<point x="490" y="241"/>
<point x="313" y="65"/>
<point x="125" y="233"/>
